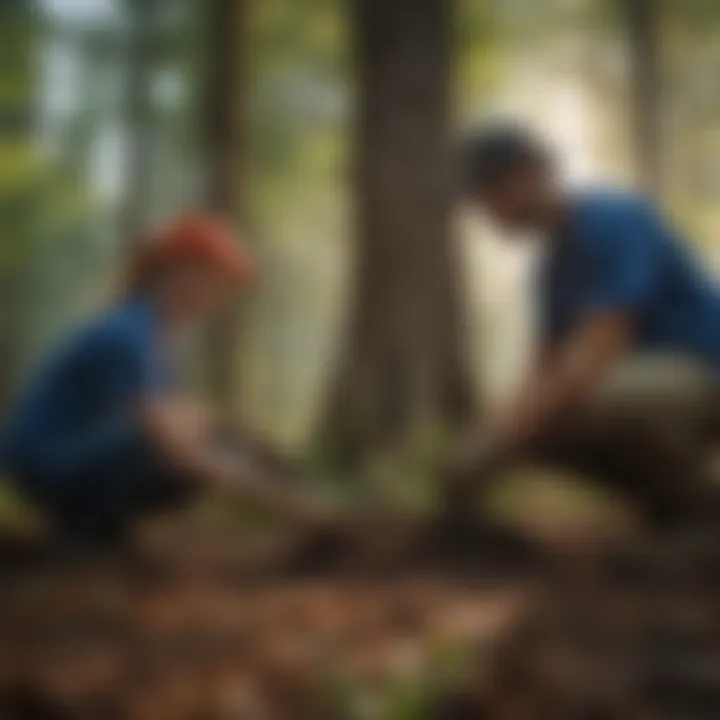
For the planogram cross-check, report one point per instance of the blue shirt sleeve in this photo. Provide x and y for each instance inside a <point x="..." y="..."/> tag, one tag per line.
<point x="621" y="262"/>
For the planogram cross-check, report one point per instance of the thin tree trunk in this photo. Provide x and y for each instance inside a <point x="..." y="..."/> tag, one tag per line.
<point x="141" y="16"/>
<point x="642" y="21"/>
<point x="20" y="41"/>
<point x="223" y="130"/>
<point x="402" y="364"/>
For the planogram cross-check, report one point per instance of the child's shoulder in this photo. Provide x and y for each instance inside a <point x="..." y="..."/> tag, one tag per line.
<point x="124" y="325"/>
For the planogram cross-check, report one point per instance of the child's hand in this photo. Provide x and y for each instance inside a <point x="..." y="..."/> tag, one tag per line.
<point x="175" y="426"/>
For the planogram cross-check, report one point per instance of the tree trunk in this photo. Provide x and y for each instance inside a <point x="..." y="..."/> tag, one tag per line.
<point x="223" y="128"/>
<point x="402" y="365"/>
<point x="21" y="48"/>
<point x="642" y="22"/>
<point x="141" y="17"/>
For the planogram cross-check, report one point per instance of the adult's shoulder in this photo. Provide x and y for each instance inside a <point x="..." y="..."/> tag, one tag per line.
<point x="608" y="205"/>
<point x="608" y="219"/>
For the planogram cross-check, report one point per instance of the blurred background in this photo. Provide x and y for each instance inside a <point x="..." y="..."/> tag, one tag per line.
<point x="386" y="310"/>
<point x="292" y="116"/>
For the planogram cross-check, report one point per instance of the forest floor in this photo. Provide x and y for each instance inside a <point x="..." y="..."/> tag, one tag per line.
<point x="391" y="619"/>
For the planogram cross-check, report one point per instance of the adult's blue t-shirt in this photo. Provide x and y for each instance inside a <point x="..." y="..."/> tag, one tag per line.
<point x="78" y="413"/>
<point x="616" y="253"/>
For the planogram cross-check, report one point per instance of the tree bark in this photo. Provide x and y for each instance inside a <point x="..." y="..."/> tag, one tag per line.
<point x="21" y="49"/>
<point x="141" y="36"/>
<point x="402" y="365"/>
<point x="222" y="146"/>
<point x="642" y="23"/>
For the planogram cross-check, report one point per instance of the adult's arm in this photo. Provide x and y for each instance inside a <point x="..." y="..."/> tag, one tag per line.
<point x="619" y="264"/>
<point x="572" y="376"/>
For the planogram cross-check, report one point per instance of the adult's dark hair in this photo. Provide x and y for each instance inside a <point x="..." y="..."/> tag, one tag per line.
<point x="492" y="153"/>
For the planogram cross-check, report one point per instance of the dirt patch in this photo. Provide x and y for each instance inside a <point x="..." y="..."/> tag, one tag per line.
<point x="389" y="620"/>
<point x="281" y="630"/>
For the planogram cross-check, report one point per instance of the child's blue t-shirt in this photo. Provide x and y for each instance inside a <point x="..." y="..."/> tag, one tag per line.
<point x="79" y="410"/>
<point x="617" y="254"/>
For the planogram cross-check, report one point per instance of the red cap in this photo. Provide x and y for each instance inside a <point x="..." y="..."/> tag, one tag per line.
<point x="207" y="239"/>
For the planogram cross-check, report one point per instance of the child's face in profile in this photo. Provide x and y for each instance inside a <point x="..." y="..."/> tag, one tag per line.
<point x="197" y="292"/>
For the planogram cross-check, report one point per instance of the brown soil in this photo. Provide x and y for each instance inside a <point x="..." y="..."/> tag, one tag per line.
<point x="220" y="626"/>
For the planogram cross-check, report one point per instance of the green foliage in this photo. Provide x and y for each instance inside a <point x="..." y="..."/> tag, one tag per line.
<point x="297" y="90"/>
<point x="17" y="515"/>
<point x="407" y="689"/>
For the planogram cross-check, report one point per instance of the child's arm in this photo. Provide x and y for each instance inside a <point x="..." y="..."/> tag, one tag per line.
<point x="183" y="434"/>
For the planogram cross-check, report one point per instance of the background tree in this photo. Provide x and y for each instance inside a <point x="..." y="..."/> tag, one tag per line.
<point x="402" y="365"/>
<point x="642" y="24"/>
<point x="19" y="179"/>
<point x="141" y="33"/>
<point x="223" y="161"/>
<point x="691" y="54"/>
